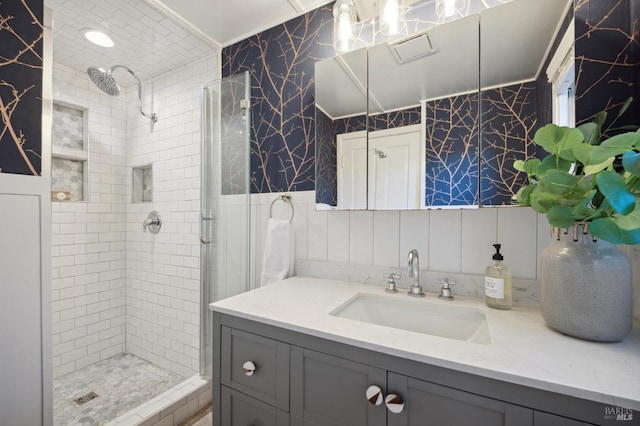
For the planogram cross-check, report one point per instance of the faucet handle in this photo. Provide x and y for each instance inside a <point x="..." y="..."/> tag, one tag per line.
<point x="446" y="282"/>
<point x="391" y="282"/>
<point x="445" y="291"/>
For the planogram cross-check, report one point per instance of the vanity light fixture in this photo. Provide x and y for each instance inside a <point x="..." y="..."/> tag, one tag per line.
<point x="98" y="37"/>
<point x="344" y="22"/>
<point x="391" y="14"/>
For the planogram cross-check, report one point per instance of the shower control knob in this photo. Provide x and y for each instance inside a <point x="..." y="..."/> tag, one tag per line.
<point x="249" y="368"/>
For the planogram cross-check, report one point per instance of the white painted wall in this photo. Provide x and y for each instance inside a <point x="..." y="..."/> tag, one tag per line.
<point x="448" y="241"/>
<point x="361" y="245"/>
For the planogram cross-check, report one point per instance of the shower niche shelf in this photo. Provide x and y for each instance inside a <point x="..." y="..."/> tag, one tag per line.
<point x="142" y="184"/>
<point x="69" y="152"/>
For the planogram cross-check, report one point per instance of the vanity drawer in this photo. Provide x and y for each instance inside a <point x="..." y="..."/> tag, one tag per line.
<point x="238" y="409"/>
<point x="256" y="366"/>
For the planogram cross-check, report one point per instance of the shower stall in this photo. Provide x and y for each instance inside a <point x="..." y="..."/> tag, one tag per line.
<point x="132" y="332"/>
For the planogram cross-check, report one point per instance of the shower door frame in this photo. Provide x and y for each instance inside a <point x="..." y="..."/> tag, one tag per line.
<point x="213" y="136"/>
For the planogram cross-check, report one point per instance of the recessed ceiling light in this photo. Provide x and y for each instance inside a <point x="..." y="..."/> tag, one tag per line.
<point x="99" y="38"/>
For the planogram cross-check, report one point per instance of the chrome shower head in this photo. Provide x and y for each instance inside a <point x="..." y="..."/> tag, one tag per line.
<point x="104" y="80"/>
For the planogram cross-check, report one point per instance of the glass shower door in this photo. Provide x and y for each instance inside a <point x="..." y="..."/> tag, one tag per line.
<point x="225" y="197"/>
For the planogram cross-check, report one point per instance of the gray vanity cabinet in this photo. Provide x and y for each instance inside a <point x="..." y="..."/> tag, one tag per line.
<point x="430" y="404"/>
<point x="295" y="379"/>
<point x="326" y="390"/>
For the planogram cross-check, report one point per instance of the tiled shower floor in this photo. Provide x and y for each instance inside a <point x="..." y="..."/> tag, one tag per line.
<point x="122" y="383"/>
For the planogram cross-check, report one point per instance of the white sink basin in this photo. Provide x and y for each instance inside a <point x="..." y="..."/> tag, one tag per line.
<point x="437" y="319"/>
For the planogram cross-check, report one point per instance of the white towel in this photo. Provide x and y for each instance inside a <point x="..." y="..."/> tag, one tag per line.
<point x="278" y="251"/>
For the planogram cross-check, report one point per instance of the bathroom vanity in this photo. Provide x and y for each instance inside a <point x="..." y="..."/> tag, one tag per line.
<point x="307" y="351"/>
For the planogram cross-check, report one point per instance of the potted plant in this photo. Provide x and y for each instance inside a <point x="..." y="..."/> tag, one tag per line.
<point x="587" y="186"/>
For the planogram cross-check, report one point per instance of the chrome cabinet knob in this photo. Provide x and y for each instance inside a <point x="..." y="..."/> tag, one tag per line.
<point x="249" y="368"/>
<point x="394" y="403"/>
<point x="374" y="395"/>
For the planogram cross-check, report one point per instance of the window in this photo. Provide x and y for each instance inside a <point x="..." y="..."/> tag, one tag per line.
<point x="561" y="75"/>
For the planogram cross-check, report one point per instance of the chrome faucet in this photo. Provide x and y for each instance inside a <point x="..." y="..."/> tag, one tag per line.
<point x="413" y="271"/>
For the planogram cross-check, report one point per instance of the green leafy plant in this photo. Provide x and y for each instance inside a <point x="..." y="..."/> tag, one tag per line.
<point x="588" y="177"/>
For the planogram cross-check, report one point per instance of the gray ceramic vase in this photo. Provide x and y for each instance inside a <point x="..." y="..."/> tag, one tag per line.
<point x="587" y="289"/>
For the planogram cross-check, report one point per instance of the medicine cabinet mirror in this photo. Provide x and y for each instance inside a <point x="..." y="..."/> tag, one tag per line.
<point x="435" y="119"/>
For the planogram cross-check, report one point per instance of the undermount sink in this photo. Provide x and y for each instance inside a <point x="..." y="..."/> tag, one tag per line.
<point x="420" y="316"/>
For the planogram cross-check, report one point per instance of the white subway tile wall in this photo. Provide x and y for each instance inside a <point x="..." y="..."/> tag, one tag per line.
<point x="88" y="238"/>
<point x="163" y="270"/>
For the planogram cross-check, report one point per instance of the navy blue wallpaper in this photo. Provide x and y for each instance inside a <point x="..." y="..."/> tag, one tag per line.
<point x="326" y="160"/>
<point x="509" y="121"/>
<point x="281" y="60"/>
<point x="607" y="58"/>
<point x="391" y="120"/>
<point x="21" y="34"/>
<point x="281" y="63"/>
<point x="510" y="117"/>
<point x="452" y="151"/>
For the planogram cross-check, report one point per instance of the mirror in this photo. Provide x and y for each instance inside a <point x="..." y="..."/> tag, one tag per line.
<point x="431" y="98"/>
<point x="341" y="109"/>
<point x="516" y="94"/>
<point x="423" y="119"/>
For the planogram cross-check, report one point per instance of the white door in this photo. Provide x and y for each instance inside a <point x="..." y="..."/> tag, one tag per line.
<point x="352" y="170"/>
<point x="394" y="168"/>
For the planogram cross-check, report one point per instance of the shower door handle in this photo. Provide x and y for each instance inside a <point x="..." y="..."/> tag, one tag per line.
<point x="206" y="227"/>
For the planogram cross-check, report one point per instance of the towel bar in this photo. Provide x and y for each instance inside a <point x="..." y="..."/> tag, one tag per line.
<point x="284" y="199"/>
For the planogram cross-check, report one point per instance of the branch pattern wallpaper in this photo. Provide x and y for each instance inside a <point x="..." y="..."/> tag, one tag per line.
<point x="452" y="151"/>
<point x="509" y="121"/>
<point x="281" y="59"/>
<point x="327" y="153"/>
<point x="281" y="64"/>
<point x="607" y="58"/>
<point x="21" y="35"/>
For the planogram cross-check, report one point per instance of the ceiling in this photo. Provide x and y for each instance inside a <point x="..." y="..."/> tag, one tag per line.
<point x="228" y="21"/>
<point x="153" y="37"/>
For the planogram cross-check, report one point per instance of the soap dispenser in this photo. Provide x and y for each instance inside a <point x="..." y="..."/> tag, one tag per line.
<point x="497" y="282"/>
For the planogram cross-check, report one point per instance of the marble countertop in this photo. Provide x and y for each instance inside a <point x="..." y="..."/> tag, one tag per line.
<point x="523" y="349"/>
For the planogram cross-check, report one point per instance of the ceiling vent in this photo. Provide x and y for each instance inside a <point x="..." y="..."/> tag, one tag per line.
<point x="411" y="49"/>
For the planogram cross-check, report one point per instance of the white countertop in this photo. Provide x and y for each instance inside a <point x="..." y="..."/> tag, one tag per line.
<point x="523" y="349"/>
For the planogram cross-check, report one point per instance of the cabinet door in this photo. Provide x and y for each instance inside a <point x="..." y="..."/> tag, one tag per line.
<point x="269" y="379"/>
<point x="428" y="404"/>
<point x="238" y="409"/>
<point x="331" y="391"/>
